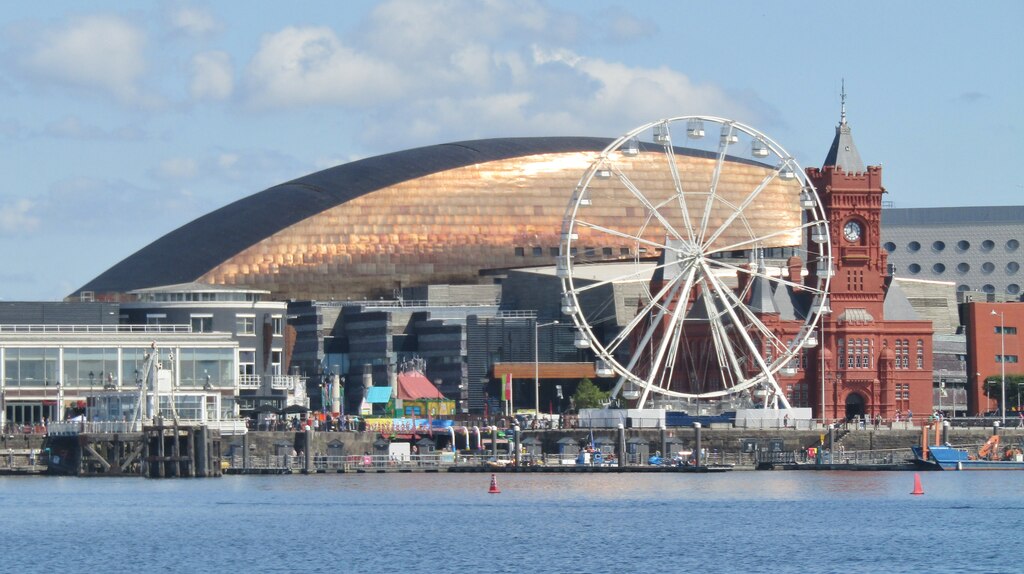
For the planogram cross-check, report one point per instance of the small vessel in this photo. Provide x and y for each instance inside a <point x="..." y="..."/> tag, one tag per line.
<point x="989" y="457"/>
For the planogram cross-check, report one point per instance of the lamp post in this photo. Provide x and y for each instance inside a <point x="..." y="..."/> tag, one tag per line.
<point x="1002" y="364"/>
<point x="536" y="364"/>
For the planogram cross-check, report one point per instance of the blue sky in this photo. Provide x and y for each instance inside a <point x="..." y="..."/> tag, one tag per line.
<point x="121" y="121"/>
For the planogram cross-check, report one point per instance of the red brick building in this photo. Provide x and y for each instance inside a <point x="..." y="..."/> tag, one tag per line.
<point x="875" y="356"/>
<point x="993" y="347"/>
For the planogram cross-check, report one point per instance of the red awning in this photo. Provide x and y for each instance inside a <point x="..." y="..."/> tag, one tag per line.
<point x="413" y="385"/>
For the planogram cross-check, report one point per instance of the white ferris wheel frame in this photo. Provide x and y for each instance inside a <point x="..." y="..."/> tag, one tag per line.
<point x="691" y="244"/>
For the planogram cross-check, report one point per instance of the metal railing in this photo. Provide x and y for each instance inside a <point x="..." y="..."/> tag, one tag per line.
<point x="113" y="328"/>
<point x="283" y="382"/>
<point x="249" y="381"/>
<point x="73" y="428"/>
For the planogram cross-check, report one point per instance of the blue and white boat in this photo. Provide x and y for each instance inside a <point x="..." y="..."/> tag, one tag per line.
<point x="989" y="457"/>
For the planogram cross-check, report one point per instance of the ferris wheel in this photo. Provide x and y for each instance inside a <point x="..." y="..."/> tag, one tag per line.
<point x="699" y="270"/>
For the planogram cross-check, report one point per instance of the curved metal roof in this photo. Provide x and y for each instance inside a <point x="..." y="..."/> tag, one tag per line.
<point x="194" y="248"/>
<point x="185" y="254"/>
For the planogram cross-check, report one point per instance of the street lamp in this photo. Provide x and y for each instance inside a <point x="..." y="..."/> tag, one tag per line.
<point x="1002" y="364"/>
<point x="536" y="365"/>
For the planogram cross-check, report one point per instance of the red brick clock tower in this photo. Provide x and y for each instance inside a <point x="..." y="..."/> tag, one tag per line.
<point x="875" y="353"/>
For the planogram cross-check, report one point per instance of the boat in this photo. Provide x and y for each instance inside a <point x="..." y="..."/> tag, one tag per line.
<point x="989" y="457"/>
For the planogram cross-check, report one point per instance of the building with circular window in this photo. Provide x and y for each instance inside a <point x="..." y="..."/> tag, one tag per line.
<point x="987" y="252"/>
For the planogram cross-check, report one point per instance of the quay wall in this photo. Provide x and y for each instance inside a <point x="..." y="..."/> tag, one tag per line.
<point x="725" y="440"/>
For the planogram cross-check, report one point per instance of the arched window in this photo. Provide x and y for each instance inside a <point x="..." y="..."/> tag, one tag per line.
<point x="920" y="353"/>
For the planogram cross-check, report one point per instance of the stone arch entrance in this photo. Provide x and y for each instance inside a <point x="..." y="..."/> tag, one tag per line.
<point x="855" y="406"/>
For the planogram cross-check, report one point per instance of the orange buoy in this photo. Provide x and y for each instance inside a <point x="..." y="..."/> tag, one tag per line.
<point x="917" y="484"/>
<point x="494" y="485"/>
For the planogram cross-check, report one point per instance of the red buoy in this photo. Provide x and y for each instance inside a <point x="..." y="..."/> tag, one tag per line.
<point x="494" y="485"/>
<point x="917" y="484"/>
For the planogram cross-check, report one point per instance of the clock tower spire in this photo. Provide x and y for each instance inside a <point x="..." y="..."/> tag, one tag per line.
<point x="852" y="196"/>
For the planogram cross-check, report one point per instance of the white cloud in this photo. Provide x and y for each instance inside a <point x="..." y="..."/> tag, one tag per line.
<point x="193" y="21"/>
<point x="17" y="218"/>
<point x="212" y="76"/>
<point x="72" y="127"/>
<point x="298" y="66"/>
<point x="102" y="53"/>
<point x="177" y="168"/>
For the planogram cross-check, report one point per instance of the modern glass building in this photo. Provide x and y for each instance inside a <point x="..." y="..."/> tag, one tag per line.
<point x="47" y="372"/>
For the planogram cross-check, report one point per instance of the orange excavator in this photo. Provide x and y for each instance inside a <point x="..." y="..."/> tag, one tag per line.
<point x="988" y="450"/>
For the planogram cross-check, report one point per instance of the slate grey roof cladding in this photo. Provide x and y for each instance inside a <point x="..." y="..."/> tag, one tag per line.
<point x="761" y="300"/>
<point x="954" y="215"/>
<point x="896" y="306"/>
<point x="843" y="153"/>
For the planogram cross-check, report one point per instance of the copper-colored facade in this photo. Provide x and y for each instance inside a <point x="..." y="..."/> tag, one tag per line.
<point x="447" y="226"/>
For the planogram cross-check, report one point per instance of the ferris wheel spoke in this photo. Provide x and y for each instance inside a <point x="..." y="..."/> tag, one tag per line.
<point x="672" y="291"/>
<point x="678" y="183"/>
<point x="654" y="209"/>
<point x="760" y="239"/>
<point x="755" y="353"/>
<point x="657" y="359"/>
<point x="633" y="277"/>
<point x="655" y="302"/>
<point x="747" y="201"/>
<point x="778" y="280"/>
<point x="723" y="146"/>
<point x="765" y="333"/>
<point x="729" y="309"/>
<point x="725" y="357"/>
<point x="620" y="234"/>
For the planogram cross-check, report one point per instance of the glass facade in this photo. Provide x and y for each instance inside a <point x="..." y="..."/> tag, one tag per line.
<point x="201" y="366"/>
<point x="96" y="367"/>
<point x="30" y="367"/>
<point x="89" y="367"/>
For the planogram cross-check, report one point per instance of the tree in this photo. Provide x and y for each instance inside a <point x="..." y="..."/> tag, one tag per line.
<point x="993" y="388"/>
<point x="589" y="396"/>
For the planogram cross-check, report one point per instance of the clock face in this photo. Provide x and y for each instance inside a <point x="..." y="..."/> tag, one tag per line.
<point x="851" y="231"/>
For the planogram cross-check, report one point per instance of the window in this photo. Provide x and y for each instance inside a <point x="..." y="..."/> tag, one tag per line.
<point x="91" y="367"/>
<point x="156" y="318"/>
<point x="920" y="353"/>
<point x="32" y="367"/>
<point x="520" y="252"/>
<point x="245" y="324"/>
<point x="277" y="325"/>
<point x="1006" y="358"/>
<point x="275" y="362"/>
<point x="202" y="323"/>
<point x="624" y="251"/>
<point x="606" y="251"/>
<point x="902" y="354"/>
<point x="538" y="251"/>
<point x="246" y="361"/>
<point x="553" y="251"/>
<point x="1006" y="330"/>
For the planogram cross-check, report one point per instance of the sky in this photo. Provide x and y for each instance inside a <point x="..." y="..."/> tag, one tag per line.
<point x="122" y="121"/>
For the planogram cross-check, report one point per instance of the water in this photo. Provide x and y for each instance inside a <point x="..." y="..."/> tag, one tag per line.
<point x="734" y="522"/>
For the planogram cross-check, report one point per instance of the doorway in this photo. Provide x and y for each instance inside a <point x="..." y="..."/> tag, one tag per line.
<point x="855" y="406"/>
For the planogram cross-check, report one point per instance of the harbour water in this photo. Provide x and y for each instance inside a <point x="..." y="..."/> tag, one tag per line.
<point x="733" y="522"/>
